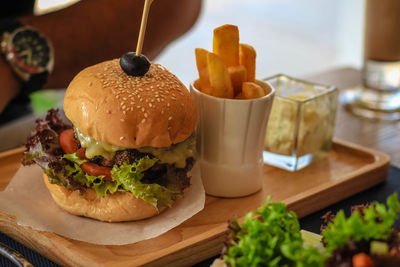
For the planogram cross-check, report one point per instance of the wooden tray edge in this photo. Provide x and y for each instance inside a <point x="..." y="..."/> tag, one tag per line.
<point x="11" y="152"/>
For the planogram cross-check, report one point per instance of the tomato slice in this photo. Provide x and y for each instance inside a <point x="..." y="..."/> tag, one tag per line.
<point x="70" y="145"/>
<point x="81" y="153"/>
<point x="96" y="170"/>
<point x="67" y="141"/>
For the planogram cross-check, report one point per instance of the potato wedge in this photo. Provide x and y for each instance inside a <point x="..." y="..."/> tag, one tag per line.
<point x="238" y="75"/>
<point x="219" y="77"/>
<point x="226" y="44"/>
<point x="202" y="68"/>
<point x="252" y="90"/>
<point x="247" y="58"/>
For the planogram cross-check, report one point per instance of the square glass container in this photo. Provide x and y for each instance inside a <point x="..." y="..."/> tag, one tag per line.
<point x="301" y="123"/>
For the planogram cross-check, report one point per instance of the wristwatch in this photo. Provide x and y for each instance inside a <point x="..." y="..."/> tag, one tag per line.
<point x="29" y="54"/>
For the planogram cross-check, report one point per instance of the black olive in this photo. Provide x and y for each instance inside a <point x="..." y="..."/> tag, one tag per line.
<point x="134" y="65"/>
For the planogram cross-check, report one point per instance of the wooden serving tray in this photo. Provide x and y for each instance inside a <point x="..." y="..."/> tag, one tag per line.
<point x="347" y="170"/>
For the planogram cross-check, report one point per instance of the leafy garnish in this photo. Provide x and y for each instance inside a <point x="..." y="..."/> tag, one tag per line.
<point x="270" y="236"/>
<point x="375" y="223"/>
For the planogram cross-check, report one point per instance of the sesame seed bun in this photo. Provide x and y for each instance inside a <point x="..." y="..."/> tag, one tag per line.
<point x="118" y="207"/>
<point x="108" y="105"/>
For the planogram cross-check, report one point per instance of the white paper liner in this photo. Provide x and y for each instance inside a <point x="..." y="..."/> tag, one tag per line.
<point x="27" y="198"/>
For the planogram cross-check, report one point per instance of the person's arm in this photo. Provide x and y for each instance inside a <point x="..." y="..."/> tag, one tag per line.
<point x="9" y="86"/>
<point x="92" y="31"/>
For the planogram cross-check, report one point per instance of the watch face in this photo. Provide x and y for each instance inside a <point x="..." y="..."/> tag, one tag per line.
<point x="31" y="50"/>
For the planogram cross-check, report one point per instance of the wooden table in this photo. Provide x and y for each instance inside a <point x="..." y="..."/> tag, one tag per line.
<point x="380" y="135"/>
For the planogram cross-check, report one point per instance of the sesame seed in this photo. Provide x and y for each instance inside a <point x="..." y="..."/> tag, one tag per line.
<point x="170" y="118"/>
<point x="150" y="105"/>
<point x="144" y="120"/>
<point x="145" y="115"/>
<point x="124" y="112"/>
<point x="142" y="109"/>
<point x="121" y="138"/>
<point x="122" y="120"/>
<point x="168" y="104"/>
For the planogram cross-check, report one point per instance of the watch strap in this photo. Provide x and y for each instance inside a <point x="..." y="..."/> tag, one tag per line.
<point x="9" y="25"/>
<point x="36" y="82"/>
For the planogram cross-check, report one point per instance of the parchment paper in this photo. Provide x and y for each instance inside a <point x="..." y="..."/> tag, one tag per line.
<point x="27" y="198"/>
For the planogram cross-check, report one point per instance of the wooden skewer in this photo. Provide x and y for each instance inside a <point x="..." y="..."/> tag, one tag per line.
<point x="143" y="24"/>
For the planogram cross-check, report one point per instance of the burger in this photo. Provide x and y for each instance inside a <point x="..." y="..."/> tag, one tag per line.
<point x="129" y="149"/>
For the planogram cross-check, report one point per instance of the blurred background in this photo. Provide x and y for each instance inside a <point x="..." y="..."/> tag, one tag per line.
<point x="294" y="37"/>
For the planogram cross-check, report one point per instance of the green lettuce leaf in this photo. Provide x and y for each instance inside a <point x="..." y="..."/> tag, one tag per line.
<point x="96" y="182"/>
<point x="126" y="177"/>
<point x="374" y="224"/>
<point x="129" y="176"/>
<point x="270" y="236"/>
<point x="74" y="158"/>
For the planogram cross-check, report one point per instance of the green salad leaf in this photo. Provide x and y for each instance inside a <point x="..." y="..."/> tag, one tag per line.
<point x="126" y="177"/>
<point x="96" y="182"/>
<point x="374" y="224"/>
<point x="270" y="236"/>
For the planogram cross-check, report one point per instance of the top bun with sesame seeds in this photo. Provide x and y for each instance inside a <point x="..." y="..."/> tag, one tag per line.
<point x="155" y="110"/>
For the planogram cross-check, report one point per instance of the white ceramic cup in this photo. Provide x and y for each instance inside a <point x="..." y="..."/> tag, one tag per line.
<point x="230" y="141"/>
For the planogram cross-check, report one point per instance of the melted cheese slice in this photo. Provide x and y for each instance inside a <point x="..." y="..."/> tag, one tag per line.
<point x="175" y="154"/>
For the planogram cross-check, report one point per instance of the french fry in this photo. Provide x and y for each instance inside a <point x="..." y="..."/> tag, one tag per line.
<point x="247" y="58"/>
<point x="239" y="96"/>
<point x="238" y="75"/>
<point x="226" y="44"/>
<point x="252" y="90"/>
<point x="219" y="77"/>
<point x="202" y="68"/>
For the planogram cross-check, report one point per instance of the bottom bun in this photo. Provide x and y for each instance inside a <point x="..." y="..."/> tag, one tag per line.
<point x="118" y="207"/>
